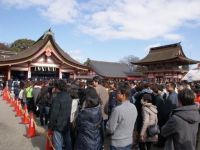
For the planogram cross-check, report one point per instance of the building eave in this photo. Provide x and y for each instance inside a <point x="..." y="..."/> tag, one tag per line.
<point x="28" y="54"/>
<point x="180" y="60"/>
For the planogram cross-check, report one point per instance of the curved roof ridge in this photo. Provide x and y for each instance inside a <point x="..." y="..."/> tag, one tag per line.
<point x="159" y="54"/>
<point x="106" y="62"/>
<point x="38" y="45"/>
<point x="66" y="54"/>
<point x="111" y="69"/>
<point x="165" y="46"/>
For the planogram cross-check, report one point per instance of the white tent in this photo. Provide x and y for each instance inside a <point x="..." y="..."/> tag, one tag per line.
<point x="192" y="75"/>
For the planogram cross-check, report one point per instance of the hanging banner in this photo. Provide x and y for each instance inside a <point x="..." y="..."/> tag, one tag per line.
<point x="29" y="74"/>
<point x="43" y="68"/>
<point x="60" y="75"/>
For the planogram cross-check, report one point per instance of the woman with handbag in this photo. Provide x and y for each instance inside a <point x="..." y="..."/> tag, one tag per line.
<point x="150" y="130"/>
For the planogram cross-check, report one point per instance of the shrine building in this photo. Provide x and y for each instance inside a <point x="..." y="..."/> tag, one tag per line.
<point x="43" y="60"/>
<point x="113" y="70"/>
<point x="166" y="63"/>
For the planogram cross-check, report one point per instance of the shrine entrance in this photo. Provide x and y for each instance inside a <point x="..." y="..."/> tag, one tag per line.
<point x="44" y="73"/>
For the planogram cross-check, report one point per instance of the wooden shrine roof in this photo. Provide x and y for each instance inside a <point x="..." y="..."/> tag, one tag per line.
<point x="112" y="69"/>
<point x="28" y="53"/>
<point x="166" y="53"/>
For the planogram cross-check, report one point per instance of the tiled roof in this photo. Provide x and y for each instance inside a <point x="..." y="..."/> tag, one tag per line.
<point x="112" y="69"/>
<point x="36" y="47"/>
<point x="172" y="52"/>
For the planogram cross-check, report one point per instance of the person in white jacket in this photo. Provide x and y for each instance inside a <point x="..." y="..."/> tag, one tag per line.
<point x="149" y="112"/>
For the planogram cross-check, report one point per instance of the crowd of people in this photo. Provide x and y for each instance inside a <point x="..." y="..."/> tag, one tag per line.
<point x="127" y="115"/>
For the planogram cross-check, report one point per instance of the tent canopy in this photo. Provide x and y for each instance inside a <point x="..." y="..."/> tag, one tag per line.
<point x="192" y="75"/>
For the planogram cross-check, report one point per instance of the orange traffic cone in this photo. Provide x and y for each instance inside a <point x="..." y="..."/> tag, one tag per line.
<point x="12" y="102"/>
<point x="49" y="145"/>
<point x="25" y="117"/>
<point x="7" y="96"/>
<point x="16" y="106"/>
<point x="19" y="110"/>
<point x="9" y="99"/>
<point x="31" y="128"/>
<point x="4" y="94"/>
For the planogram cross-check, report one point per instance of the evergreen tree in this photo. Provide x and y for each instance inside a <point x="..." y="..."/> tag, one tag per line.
<point x="21" y="44"/>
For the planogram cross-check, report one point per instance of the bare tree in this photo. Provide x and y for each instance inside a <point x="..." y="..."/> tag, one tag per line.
<point x="131" y="58"/>
<point x="128" y="59"/>
<point x="4" y="46"/>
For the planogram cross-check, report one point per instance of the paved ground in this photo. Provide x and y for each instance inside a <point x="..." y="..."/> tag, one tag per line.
<point x="11" y="132"/>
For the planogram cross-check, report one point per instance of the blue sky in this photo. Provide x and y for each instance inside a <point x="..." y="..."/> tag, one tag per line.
<point x="105" y="30"/>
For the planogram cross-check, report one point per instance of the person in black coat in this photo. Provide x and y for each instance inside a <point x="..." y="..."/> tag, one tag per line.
<point x="112" y="102"/>
<point x="59" y="121"/>
<point x="16" y="89"/>
<point x="182" y="126"/>
<point x="162" y="107"/>
<point x="43" y="102"/>
<point x="90" y="123"/>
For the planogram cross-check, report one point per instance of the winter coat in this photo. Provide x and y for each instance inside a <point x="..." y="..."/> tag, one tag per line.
<point x="36" y="91"/>
<point x="173" y="98"/>
<point x="43" y="97"/>
<point x="16" y="89"/>
<point x="103" y="94"/>
<point x="198" y="139"/>
<point x="21" y="93"/>
<point x="81" y="95"/>
<point x="164" y="108"/>
<point x="149" y="112"/>
<point x="181" y="129"/>
<point x="112" y="102"/>
<point x="138" y="105"/>
<point x="121" y="124"/>
<point x="60" y="112"/>
<point x="90" y="129"/>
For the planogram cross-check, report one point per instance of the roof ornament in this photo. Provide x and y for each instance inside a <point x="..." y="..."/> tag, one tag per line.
<point x="48" y="51"/>
<point x="48" y="32"/>
<point x="179" y="53"/>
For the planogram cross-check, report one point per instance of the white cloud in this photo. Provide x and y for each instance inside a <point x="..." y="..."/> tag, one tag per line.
<point x="175" y="37"/>
<point x="147" y="48"/>
<point x="117" y="19"/>
<point x="142" y="19"/>
<point x="26" y="3"/>
<point x="77" y="55"/>
<point x="57" y="11"/>
<point x="61" y="11"/>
